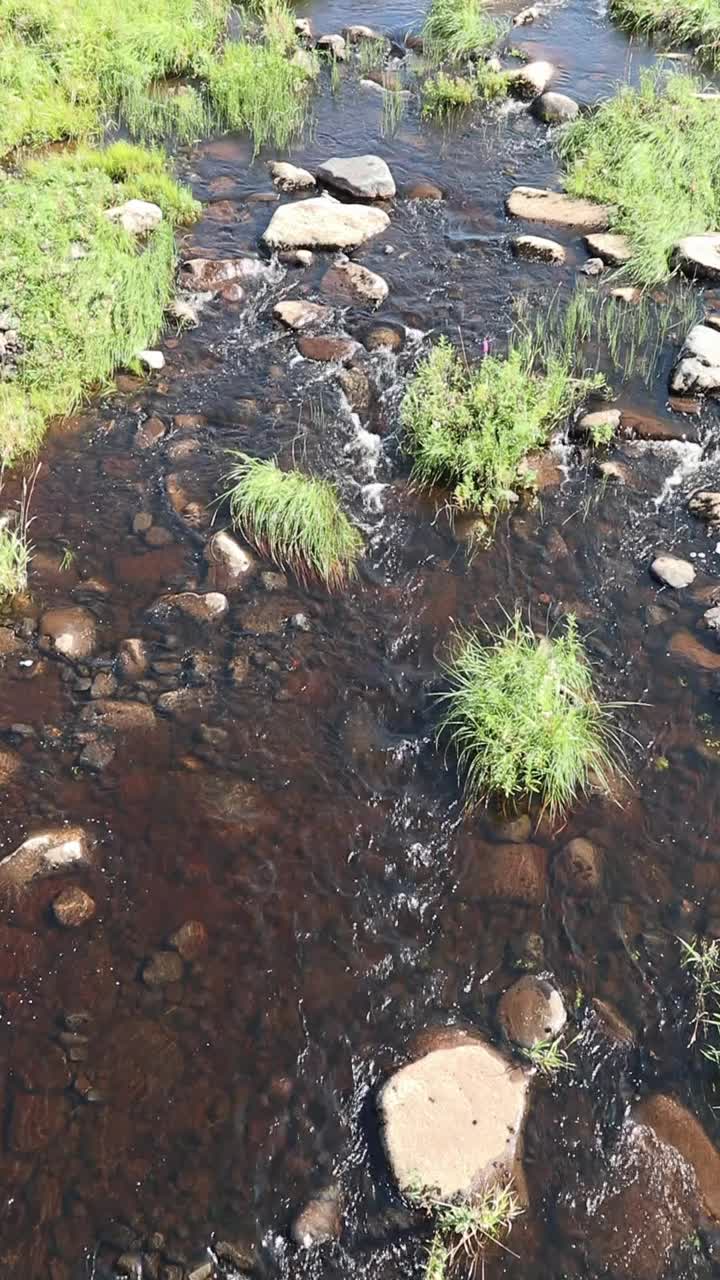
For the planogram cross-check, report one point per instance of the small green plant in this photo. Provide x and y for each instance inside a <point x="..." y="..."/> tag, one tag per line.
<point x="473" y="428"/>
<point x="695" y="22"/>
<point x="523" y="718"/>
<point x="701" y="959"/>
<point x="653" y="153"/>
<point x="67" y="560"/>
<point x="371" y="54"/>
<point x="456" y="29"/>
<point x="445" y="95"/>
<point x="294" y="519"/>
<point x="393" y="112"/>
<point x="464" y="1226"/>
<point x="602" y="434"/>
<point x="258" y="88"/>
<point x="15" y="546"/>
<point x="491" y="84"/>
<point x="550" y="1057"/>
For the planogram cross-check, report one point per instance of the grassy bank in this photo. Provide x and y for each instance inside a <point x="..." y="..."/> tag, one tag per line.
<point x="84" y="295"/>
<point x="694" y="22"/>
<point x="68" y="68"/>
<point x="654" y="153"/>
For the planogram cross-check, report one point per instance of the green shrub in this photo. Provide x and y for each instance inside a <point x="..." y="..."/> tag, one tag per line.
<point x="473" y="428"/>
<point x="443" y="95"/>
<point x="86" y="295"/>
<point x="457" y="29"/>
<point x="523" y="718"/>
<point x="294" y="519"/>
<point x="654" y="153"/>
<point x="695" y="22"/>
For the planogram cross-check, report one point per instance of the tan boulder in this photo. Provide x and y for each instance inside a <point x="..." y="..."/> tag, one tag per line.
<point x="534" y="204"/>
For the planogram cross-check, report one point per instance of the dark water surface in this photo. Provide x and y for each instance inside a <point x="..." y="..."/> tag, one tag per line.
<point x="303" y="813"/>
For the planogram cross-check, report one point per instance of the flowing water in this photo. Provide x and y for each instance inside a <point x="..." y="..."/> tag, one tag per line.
<point x="300" y="808"/>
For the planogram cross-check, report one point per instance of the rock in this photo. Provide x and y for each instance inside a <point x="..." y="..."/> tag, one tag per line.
<point x="453" y="1119"/>
<point x="298" y="314"/>
<point x="154" y="361"/>
<point x="356" y="386"/>
<point x="530" y="80"/>
<point x="69" y="632"/>
<point x="534" y="204"/>
<point x="9" y="643"/>
<point x="591" y="422"/>
<point x="132" y="659"/>
<point x="162" y="968"/>
<point x="73" y="907"/>
<point x="52" y="852"/>
<point x="382" y="337"/>
<point x="179" y="702"/>
<point x="118" y="716"/>
<point x="613" y="249"/>
<point x="321" y="1219"/>
<point x="297" y="258"/>
<point x="672" y="571"/>
<point x="303" y="28"/>
<point x="352" y="279"/>
<point x="647" y="426"/>
<point x="711" y="618"/>
<point x="613" y="1027"/>
<point x="537" y="249"/>
<point x="677" y="1127"/>
<point x="96" y="755"/>
<point x="10" y="766"/>
<point x="513" y="873"/>
<point x="531" y="1011"/>
<point x="330" y="346"/>
<point x="205" y="607"/>
<point x="687" y="647"/>
<point x="334" y="45"/>
<point x="138" y="217"/>
<point x="578" y="868"/>
<point x="212" y="275"/>
<point x="190" y="940"/>
<point x="423" y="189"/>
<point x="274" y="581"/>
<point x="525" y="16"/>
<point x="182" y="311"/>
<point x="230" y="565"/>
<point x="104" y="685"/>
<point x="629" y="294"/>
<point x="358" y="32"/>
<point x="365" y="176"/>
<point x="705" y="504"/>
<point x="149" y="433"/>
<point x="593" y="267"/>
<point x="288" y="177"/>
<point x="698" y="367"/>
<point x="699" y="256"/>
<point x="555" y="108"/>
<point x="322" y="223"/>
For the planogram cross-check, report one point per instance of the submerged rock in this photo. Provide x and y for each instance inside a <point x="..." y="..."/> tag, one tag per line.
<point x="534" y="204"/>
<point x="288" y="177"/>
<point x="211" y="275"/>
<point x="366" y="176"/>
<point x="190" y="940"/>
<point x="513" y="873"/>
<point x="590" y="422"/>
<point x="321" y="1219"/>
<point x="118" y="716"/>
<point x="132" y="659"/>
<point x="578" y="868"/>
<point x="330" y="346"/>
<point x="555" y="108"/>
<point x="685" y="646"/>
<point x="699" y="256"/>
<point x="453" y="1119"/>
<point x="705" y="504"/>
<point x="230" y="564"/>
<point x="323" y="223"/>
<point x="672" y="571"/>
<point x="677" y="1127"/>
<point x="70" y="632"/>
<point x="531" y="1011"/>
<point x="207" y="606"/>
<point x="298" y="314"/>
<point x="616" y="250"/>
<point x="73" y="907"/>
<point x="358" y="32"/>
<point x="531" y="80"/>
<point x="138" y="217"/>
<point x="353" y="280"/>
<point x="538" y="249"/>
<point x="51" y="852"/>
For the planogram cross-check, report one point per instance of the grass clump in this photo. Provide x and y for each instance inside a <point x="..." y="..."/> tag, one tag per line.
<point x="524" y="720"/>
<point x="473" y="428"/>
<point x="695" y="22"/>
<point x="549" y="1057"/>
<point x="294" y="519"/>
<point x="256" y="87"/>
<point x="444" y="95"/>
<point x="654" y="153"/>
<point x="86" y="296"/>
<point x="464" y="1227"/>
<point x="456" y="29"/>
<point x="15" y="546"/>
<point x="701" y="958"/>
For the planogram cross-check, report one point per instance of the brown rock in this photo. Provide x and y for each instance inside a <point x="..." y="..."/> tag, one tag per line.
<point x="132" y="659"/>
<point x="578" y="868"/>
<point x="104" y="685"/>
<point x="383" y="337"/>
<point x="149" y="433"/>
<point x="423" y="189"/>
<point x="162" y="968"/>
<point x="119" y="716"/>
<point x="321" y="1219"/>
<point x="531" y="1011"/>
<point x="534" y="204"/>
<point x="70" y="632"/>
<point x="613" y="1026"/>
<point x="36" y="1119"/>
<point x="514" y="873"/>
<point x="297" y="314"/>
<point x="9" y="643"/>
<point x="136" y="1059"/>
<point x="329" y="347"/>
<point x="230" y="564"/>
<point x="205" y="607"/>
<point x="356" y="385"/>
<point x="647" y="426"/>
<point x="210" y="275"/>
<point x="47" y="853"/>
<point x="352" y="280"/>
<point x="73" y="907"/>
<point x="180" y="702"/>
<point x="190" y="940"/>
<point x="10" y="766"/>
<point x="685" y="646"/>
<point x="37" y="1065"/>
<point x="677" y="1127"/>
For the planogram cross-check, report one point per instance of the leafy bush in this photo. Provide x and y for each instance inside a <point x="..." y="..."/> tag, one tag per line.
<point x="523" y="718"/>
<point x="294" y="519"/>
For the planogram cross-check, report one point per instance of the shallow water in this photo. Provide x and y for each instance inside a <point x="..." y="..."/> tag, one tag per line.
<point x="305" y="815"/>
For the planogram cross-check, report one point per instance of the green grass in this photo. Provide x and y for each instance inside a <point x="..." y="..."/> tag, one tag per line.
<point x="549" y="1057"/>
<point x="654" y="153"/>
<point x="70" y="68"/>
<point x="15" y="547"/>
<point x="694" y="22"/>
<point x="701" y="959"/>
<point x="473" y="428"/>
<point x="294" y="519"/>
<point x="457" y="29"/>
<point x="464" y="1226"/>
<point x="524" y="720"/>
<point x="445" y="95"/>
<point x="87" y="296"/>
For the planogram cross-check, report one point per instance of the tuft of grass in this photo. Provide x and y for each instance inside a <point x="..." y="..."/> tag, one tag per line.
<point x="701" y="958"/>
<point x="523" y="718"/>
<point x="86" y="294"/>
<point x="445" y="95"/>
<point x="256" y="87"/>
<point x="473" y="428"/>
<point x="371" y="54"/>
<point x="456" y="29"/>
<point x="294" y="519"/>
<point x="694" y="22"/>
<point x="15" y="546"/>
<point x="654" y="153"/>
<point x="464" y="1226"/>
<point x="549" y="1057"/>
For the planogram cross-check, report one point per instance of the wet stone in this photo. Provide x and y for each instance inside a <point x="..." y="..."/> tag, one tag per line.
<point x="288" y="177"/>
<point x="10" y="766"/>
<point x="365" y="176"/>
<point x="104" y="685"/>
<point x="47" y="853"/>
<point x="298" y="314"/>
<point x="383" y="337"/>
<point x="672" y="571"/>
<point x="677" y="1127"/>
<point x="352" y="279"/>
<point x="69" y="632"/>
<point x="513" y="873"/>
<point x="149" y="433"/>
<point x="163" y="968"/>
<point x="204" y="607"/>
<point x="578" y="868"/>
<point x="321" y="1219"/>
<point x="322" y="223"/>
<point x="36" y="1119"/>
<point x="132" y="659"/>
<point x="73" y="907"/>
<point x="555" y="108"/>
<point x="423" y="189"/>
<point x="531" y="1011"/>
<point x="274" y="581"/>
<point x="615" y="250"/>
<point x="119" y="716"/>
<point x="537" y="205"/>
<point x="142" y="521"/>
<point x="705" y="505"/>
<point x="190" y="940"/>
<point x="537" y="249"/>
<point x="329" y="347"/>
<point x="685" y="646"/>
<point x="334" y="44"/>
<point x="531" y="80"/>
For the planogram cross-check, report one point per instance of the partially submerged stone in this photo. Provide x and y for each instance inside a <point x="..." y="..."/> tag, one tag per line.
<point x="453" y="1119"/>
<point x="535" y="204"/>
<point x="538" y="249"/>
<point x="334" y="44"/>
<point x="531" y="1011"/>
<point x="705" y="504"/>
<point x="365" y="176"/>
<point x="699" y="256"/>
<point x="137" y="217"/>
<point x="698" y="368"/>
<point x="321" y="1219"/>
<point x="677" y="1127"/>
<point x="296" y="313"/>
<point x="614" y="249"/>
<point x="288" y="177"/>
<point x="590" y="422"/>
<point x="69" y="632"/>
<point x="352" y="279"/>
<point x="230" y="564"/>
<point x="323" y="223"/>
<point x="531" y="80"/>
<point x="555" y="108"/>
<point x="205" y="606"/>
<point x="52" y="852"/>
<point x="672" y="571"/>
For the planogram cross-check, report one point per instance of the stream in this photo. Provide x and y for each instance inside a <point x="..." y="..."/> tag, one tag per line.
<point x="295" y="802"/>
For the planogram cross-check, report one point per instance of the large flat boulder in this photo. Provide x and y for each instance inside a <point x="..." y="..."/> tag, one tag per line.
<point x="365" y="176"/>
<point x="323" y="223"/>
<point x="453" y="1119"/>
<point x="535" y="204"/>
<point x="699" y="256"/>
<point x="612" y="248"/>
<point x="698" y="368"/>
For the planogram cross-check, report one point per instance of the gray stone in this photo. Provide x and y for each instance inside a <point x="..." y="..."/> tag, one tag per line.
<point x="593" y="267"/>
<point x="535" y="204"/>
<point x="691" y="374"/>
<point x="153" y="361"/>
<point x="364" y="176"/>
<point x="323" y="223"/>
<point x="288" y="177"/>
<point x="48" y="853"/>
<point x="354" y="34"/>
<point x="555" y="108"/>
<point x="298" y="314"/>
<point x="699" y="256"/>
<point x="613" y="249"/>
<point x="672" y="571"/>
<point x="538" y="249"/>
<point x="333" y="44"/>
<point x="531" y="80"/>
<point x="138" y="217"/>
<point x="531" y="1011"/>
<point x="590" y="422"/>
